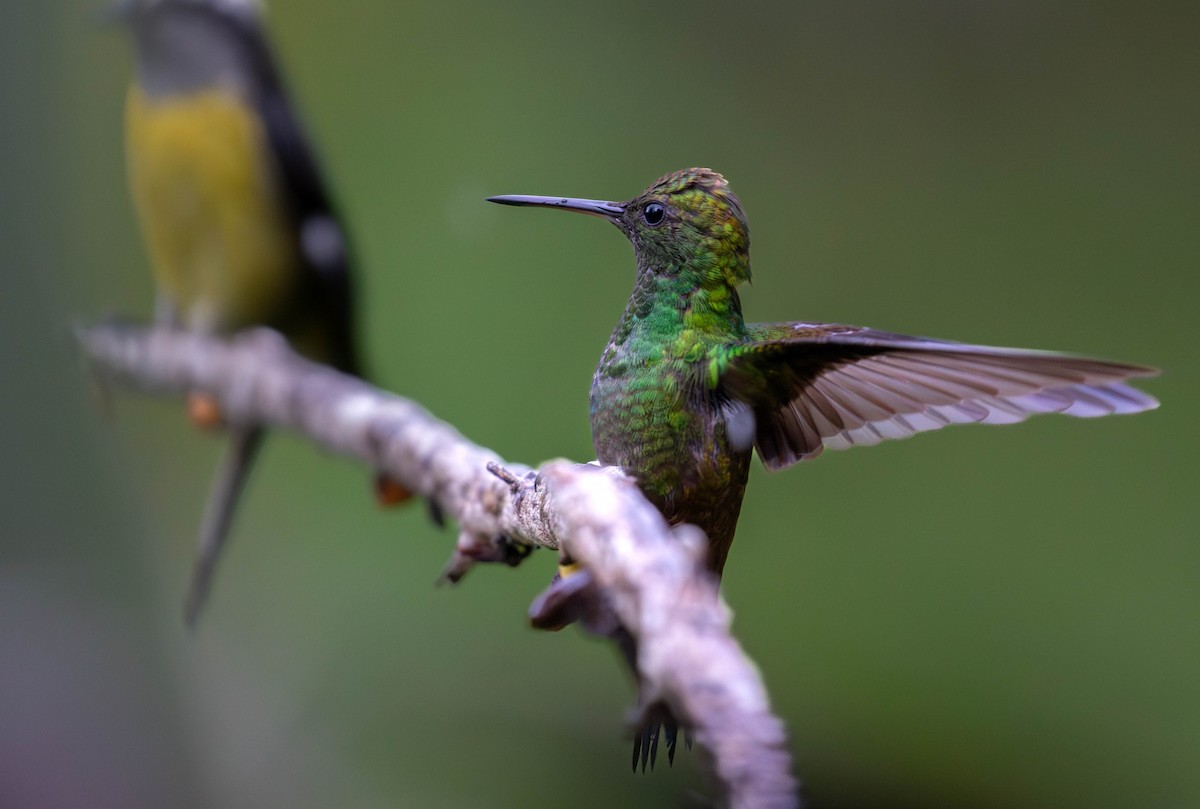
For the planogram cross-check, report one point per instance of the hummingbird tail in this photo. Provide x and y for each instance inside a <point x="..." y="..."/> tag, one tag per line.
<point x="227" y="487"/>
<point x="656" y="720"/>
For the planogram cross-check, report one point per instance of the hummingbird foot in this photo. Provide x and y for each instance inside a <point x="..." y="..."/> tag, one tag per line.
<point x="566" y="569"/>
<point x="573" y="597"/>
<point x="472" y="549"/>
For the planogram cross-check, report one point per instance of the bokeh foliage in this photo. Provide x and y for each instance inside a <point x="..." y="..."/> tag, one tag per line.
<point x="980" y="617"/>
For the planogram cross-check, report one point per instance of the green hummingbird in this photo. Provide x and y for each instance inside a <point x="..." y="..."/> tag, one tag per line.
<point x="685" y="388"/>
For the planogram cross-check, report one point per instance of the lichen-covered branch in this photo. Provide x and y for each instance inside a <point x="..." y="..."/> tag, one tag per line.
<point x="651" y="575"/>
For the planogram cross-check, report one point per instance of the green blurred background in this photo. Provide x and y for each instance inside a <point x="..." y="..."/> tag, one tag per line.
<point x="976" y="618"/>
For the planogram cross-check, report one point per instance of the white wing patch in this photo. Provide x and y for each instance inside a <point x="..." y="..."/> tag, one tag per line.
<point x="322" y="243"/>
<point x="739" y="424"/>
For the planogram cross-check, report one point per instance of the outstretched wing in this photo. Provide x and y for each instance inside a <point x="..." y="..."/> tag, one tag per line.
<point x="812" y="386"/>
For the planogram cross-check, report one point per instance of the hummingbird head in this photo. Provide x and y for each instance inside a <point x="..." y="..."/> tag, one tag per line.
<point x="690" y="219"/>
<point x="687" y="221"/>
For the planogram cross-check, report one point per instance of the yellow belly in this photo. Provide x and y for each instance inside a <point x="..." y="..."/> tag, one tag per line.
<point x="211" y="214"/>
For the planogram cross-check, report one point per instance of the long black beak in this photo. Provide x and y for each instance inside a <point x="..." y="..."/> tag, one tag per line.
<point x="593" y="207"/>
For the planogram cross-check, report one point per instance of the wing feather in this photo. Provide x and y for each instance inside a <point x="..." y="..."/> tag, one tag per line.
<point x="813" y="386"/>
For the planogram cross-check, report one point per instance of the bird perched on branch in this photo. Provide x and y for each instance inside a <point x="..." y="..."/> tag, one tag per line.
<point x="686" y="388"/>
<point x="236" y="218"/>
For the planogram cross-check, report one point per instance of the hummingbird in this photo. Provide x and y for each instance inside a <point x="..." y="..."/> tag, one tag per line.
<point x="238" y="223"/>
<point x="686" y="390"/>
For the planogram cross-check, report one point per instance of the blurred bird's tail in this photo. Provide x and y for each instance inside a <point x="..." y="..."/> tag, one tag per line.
<point x="218" y="514"/>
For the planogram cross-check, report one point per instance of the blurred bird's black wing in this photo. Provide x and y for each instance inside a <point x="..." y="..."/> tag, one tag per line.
<point x="320" y="237"/>
<point x="812" y="386"/>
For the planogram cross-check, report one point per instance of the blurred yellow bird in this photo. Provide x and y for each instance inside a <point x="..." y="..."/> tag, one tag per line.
<point x="236" y="219"/>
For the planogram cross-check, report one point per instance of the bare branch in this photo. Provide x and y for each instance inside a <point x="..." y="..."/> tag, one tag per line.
<point x="651" y="575"/>
<point x="655" y="580"/>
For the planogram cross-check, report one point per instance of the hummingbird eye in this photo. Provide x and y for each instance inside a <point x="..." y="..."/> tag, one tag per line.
<point x="654" y="213"/>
